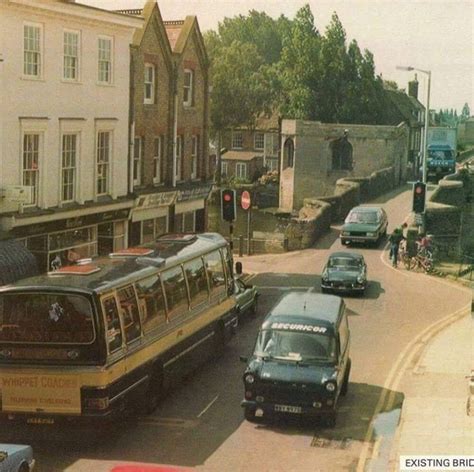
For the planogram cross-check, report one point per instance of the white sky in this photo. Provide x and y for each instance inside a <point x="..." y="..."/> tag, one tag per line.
<point x="435" y="35"/>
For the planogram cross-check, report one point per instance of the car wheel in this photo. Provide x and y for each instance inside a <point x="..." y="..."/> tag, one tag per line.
<point x="24" y="468"/>
<point x="249" y="414"/>
<point x="345" y="383"/>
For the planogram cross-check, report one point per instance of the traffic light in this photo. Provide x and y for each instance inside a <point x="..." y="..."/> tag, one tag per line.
<point x="419" y="197"/>
<point x="228" y="205"/>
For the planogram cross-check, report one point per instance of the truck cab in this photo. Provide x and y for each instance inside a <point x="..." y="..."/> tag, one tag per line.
<point x="441" y="161"/>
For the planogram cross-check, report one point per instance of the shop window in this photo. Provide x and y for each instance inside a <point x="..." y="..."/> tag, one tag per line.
<point x="176" y="292"/>
<point x="148" y="231"/>
<point x="215" y="273"/>
<point x="197" y="282"/>
<point x="151" y="302"/>
<point x="112" y="322"/>
<point x="129" y="312"/>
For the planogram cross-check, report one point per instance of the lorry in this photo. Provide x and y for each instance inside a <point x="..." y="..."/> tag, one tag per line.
<point x="442" y="152"/>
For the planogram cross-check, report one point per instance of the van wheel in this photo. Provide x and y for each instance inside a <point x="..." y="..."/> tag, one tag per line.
<point x="345" y="383"/>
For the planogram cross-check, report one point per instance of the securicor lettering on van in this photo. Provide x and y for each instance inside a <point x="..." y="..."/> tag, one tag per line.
<point x="299" y="327"/>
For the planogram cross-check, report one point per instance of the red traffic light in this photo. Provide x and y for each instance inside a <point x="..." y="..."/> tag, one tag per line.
<point x="227" y="197"/>
<point x="419" y="189"/>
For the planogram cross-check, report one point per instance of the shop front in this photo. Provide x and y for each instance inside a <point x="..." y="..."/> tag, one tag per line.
<point x="66" y="240"/>
<point x="190" y="210"/>
<point x="150" y="217"/>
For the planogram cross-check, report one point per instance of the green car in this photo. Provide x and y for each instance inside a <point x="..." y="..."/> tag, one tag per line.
<point x="344" y="272"/>
<point x="364" y="224"/>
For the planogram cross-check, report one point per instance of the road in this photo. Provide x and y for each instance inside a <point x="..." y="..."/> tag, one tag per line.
<point x="200" y="424"/>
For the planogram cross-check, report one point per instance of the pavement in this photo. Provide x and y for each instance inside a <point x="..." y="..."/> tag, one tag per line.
<point x="437" y="416"/>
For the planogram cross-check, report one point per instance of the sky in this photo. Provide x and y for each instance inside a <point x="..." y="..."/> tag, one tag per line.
<point x="431" y="35"/>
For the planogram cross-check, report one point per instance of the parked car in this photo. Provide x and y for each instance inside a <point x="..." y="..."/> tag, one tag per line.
<point x="364" y="224"/>
<point x="246" y="296"/>
<point x="301" y="364"/>
<point x="344" y="272"/>
<point x="16" y="458"/>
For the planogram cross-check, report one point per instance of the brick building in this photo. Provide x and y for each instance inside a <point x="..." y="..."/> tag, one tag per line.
<point x="169" y="126"/>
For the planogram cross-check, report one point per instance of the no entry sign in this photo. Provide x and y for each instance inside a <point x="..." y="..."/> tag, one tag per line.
<point x="245" y="201"/>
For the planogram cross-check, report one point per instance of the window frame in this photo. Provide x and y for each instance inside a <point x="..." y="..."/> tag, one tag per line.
<point x="105" y="164"/>
<point x="224" y="168"/>
<point x="194" y="156"/>
<point x="35" y="166"/>
<point x="179" y="158"/>
<point x="259" y="134"/>
<point x="188" y="88"/>
<point x="238" y="167"/>
<point x="137" y="160"/>
<point x="77" y="69"/>
<point x="40" y="52"/>
<point x="109" y="61"/>
<point x="158" y="160"/>
<point x="72" y="168"/>
<point x="237" y="135"/>
<point x="149" y="100"/>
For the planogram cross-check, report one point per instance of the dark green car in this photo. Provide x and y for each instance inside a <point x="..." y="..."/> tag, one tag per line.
<point x="300" y="365"/>
<point x="364" y="224"/>
<point x="344" y="272"/>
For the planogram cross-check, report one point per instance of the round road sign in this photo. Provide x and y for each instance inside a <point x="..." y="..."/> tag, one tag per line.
<point x="245" y="201"/>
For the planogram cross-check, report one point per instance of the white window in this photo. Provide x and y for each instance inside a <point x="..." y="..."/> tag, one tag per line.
<point x="241" y="170"/>
<point x="31" y="150"/>
<point x="149" y="92"/>
<point x="188" y="87"/>
<point x="259" y="141"/>
<point x="105" y="60"/>
<point x="69" y="159"/>
<point x="104" y="142"/>
<point x="157" y="160"/>
<point x="237" y="140"/>
<point x="224" y="168"/>
<point x="71" y="55"/>
<point x="32" y="50"/>
<point x="137" y="160"/>
<point x="179" y="157"/>
<point x="194" y="156"/>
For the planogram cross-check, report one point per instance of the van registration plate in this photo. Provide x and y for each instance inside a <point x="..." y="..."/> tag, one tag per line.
<point x="288" y="408"/>
<point x="40" y="420"/>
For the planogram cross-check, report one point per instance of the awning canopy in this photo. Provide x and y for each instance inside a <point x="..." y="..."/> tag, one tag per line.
<point x="16" y="262"/>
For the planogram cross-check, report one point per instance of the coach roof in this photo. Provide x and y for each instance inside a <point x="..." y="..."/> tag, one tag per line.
<point x="304" y="307"/>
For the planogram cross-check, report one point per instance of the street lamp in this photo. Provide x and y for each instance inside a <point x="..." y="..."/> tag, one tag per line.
<point x="427" y="114"/>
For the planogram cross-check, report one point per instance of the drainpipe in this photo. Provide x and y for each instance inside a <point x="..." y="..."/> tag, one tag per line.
<point x="175" y="137"/>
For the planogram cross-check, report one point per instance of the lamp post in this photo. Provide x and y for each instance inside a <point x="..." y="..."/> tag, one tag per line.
<point x="427" y="116"/>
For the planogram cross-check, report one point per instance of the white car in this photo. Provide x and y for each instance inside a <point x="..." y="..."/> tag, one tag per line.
<point x="246" y="297"/>
<point x="16" y="458"/>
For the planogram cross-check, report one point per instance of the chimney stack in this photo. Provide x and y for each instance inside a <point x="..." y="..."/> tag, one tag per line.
<point x="413" y="88"/>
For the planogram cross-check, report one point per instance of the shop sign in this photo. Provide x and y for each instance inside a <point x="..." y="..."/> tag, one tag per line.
<point x="194" y="193"/>
<point x="157" y="200"/>
<point x="70" y="223"/>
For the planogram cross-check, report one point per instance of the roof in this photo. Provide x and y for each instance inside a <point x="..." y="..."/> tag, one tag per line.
<point x="241" y="155"/>
<point x="312" y="308"/>
<point x="405" y="105"/>
<point x="173" y="31"/>
<point x="349" y="255"/>
<point x="168" y="251"/>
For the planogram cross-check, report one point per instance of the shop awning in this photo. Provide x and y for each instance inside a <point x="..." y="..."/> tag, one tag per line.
<point x="16" y="262"/>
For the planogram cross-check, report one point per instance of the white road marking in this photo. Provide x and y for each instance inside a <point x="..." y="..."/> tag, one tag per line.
<point x="208" y="406"/>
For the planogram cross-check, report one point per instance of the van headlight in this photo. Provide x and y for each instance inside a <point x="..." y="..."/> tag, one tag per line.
<point x="249" y="378"/>
<point x="331" y="387"/>
<point x="360" y="279"/>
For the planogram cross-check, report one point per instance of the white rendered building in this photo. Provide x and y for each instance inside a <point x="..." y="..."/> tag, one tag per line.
<point x="64" y="113"/>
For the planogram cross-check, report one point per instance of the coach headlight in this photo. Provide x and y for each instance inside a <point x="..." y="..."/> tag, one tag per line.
<point x="331" y="387"/>
<point x="249" y="378"/>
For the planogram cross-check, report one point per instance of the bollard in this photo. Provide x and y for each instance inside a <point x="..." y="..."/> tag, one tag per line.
<point x="241" y="245"/>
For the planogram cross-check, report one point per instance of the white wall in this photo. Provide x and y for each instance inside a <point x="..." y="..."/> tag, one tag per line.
<point x="51" y="105"/>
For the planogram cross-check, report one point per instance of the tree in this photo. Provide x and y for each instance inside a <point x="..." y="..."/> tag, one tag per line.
<point x="466" y="112"/>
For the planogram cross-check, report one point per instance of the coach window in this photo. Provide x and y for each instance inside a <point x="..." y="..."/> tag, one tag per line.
<point x="129" y="312"/>
<point x="197" y="282"/>
<point x="112" y="323"/>
<point x="215" y="273"/>
<point x="151" y="302"/>
<point x="175" y="291"/>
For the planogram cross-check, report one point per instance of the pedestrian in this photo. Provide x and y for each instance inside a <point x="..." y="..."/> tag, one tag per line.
<point x="395" y="239"/>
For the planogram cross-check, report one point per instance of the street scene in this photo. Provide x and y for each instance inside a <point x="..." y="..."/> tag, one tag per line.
<point x="233" y="238"/>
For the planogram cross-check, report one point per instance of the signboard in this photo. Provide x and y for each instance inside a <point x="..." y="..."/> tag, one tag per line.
<point x="245" y="200"/>
<point x="17" y="193"/>
<point x="157" y="200"/>
<point x="46" y="393"/>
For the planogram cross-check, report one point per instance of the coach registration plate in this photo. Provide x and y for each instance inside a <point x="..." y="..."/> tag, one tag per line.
<point x="288" y="408"/>
<point x="40" y="421"/>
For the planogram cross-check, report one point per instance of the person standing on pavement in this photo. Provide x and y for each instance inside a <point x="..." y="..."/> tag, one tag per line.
<point x="395" y="239"/>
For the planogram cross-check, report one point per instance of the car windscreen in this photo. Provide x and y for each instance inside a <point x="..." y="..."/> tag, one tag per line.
<point x="45" y="318"/>
<point x="364" y="217"/>
<point x="295" y="345"/>
<point x="343" y="263"/>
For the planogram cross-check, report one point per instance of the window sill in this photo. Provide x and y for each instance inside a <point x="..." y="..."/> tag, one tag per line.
<point x="70" y="81"/>
<point x="105" y="84"/>
<point x="148" y="104"/>
<point x="33" y="78"/>
<point x="158" y="184"/>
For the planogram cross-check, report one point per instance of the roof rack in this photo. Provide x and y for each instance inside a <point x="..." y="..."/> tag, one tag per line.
<point x="177" y="237"/>
<point x="132" y="252"/>
<point x="79" y="269"/>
